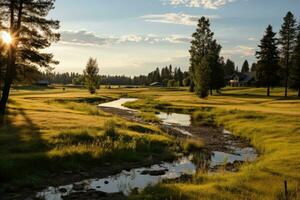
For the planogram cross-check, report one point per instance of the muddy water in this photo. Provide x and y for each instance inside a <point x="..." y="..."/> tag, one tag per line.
<point x="140" y="178"/>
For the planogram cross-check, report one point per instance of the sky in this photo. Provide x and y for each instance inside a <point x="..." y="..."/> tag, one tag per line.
<point x="133" y="37"/>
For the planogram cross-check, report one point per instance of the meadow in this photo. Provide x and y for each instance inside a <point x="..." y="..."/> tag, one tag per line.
<point x="52" y="131"/>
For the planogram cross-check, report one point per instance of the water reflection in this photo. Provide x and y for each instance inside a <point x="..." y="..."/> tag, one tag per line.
<point x="175" y="118"/>
<point x="118" y="104"/>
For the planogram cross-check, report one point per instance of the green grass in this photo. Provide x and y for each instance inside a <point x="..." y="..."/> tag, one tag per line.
<point x="148" y="117"/>
<point x="44" y="135"/>
<point x="50" y="131"/>
<point x="273" y="127"/>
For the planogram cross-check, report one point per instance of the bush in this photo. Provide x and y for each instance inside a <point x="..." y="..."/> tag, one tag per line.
<point x="110" y="129"/>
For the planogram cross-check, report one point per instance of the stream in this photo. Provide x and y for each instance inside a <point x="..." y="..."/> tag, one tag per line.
<point x="139" y="178"/>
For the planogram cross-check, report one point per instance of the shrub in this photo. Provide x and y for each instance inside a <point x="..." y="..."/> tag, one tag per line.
<point x="110" y="129"/>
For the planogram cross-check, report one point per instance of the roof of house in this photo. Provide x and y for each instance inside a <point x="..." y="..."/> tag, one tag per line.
<point x="244" y="77"/>
<point x="155" y="84"/>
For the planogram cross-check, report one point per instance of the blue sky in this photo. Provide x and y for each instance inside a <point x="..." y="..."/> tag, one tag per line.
<point x="133" y="37"/>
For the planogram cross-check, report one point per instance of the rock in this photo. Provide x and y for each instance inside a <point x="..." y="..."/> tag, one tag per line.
<point x="62" y="190"/>
<point x="154" y="172"/>
<point x="78" y="186"/>
<point x="106" y="182"/>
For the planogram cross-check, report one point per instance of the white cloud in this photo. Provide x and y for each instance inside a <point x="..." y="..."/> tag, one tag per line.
<point x="208" y="4"/>
<point x="85" y="38"/>
<point x="252" y="39"/>
<point x="240" y="50"/>
<point x="176" y="18"/>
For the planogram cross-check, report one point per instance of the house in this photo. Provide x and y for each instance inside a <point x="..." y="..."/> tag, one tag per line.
<point x="242" y="79"/>
<point x="155" y="84"/>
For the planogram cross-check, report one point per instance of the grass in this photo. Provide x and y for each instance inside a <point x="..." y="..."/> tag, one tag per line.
<point x="271" y="124"/>
<point x="53" y="130"/>
<point x="51" y="135"/>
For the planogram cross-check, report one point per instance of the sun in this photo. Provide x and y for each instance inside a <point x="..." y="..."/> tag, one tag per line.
<point x="6" y="37"/>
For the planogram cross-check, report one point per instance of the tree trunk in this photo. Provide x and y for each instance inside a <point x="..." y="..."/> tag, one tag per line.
<point x="268" y="90"/>
<point x="299" y="92"/>
<point x="11" y="69"/>
<point x="211" y="91"/>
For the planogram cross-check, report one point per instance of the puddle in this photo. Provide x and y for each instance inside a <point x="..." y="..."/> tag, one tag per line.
<point x="118" y="104"/>
<point x="247" y="154"/>
<point x="175" y="118"/>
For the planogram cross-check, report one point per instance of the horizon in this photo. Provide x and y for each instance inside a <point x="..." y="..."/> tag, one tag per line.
<point x="158" y="33"/>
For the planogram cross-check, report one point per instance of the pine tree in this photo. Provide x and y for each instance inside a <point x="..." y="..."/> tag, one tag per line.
<point x="268" y="63"/>
<point x="204" y="59"/>
<point x="229" y="67"/>
<point x="91" y="75"/>
<point x="31" y="32"/>
<point x="287" y="42"/>
<point x="295" y="71"/>
<point x="245" y="67"/>
<point x="253" y="67"/>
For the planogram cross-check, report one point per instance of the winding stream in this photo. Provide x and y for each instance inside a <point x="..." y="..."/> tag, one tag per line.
<point x="139" y="178"/>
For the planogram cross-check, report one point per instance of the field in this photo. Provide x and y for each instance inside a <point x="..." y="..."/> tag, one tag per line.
<point x="58" y="130"/>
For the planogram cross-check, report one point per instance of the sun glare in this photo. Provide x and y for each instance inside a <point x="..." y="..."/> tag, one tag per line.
<point x="6" y="37"/>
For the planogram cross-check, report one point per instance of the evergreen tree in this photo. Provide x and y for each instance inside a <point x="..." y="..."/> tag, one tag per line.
<point x="229" y="67"/>
<point x="31" y="33"/>
<point x="287" y="42"/>
<point x="295" y="71"/>
<point x="91" y="75"/>
<point x="204" y="59"/>
<point x="268" y="63"/>
<point x="245" y="67"/>
<point x="253" y="67"/>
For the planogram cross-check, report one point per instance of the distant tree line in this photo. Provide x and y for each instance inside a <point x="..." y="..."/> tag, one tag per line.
<point x="167" y="76"/>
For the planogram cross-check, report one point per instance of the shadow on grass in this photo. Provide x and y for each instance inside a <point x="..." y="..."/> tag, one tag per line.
<point x="257" y="96"/>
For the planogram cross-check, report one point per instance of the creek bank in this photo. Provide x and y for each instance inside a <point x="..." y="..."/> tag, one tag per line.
<point x="222" y="150"/>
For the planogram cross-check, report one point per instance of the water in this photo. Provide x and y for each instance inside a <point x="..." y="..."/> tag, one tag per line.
<point x="175" y="118"/>
<point x="240" y="154"/>
<point x="118" y="104"/>
<point x="126" y="181"/>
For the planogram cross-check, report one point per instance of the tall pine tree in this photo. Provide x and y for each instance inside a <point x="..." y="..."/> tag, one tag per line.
<point x="31" y="33"/>
<point x="229" y="67"/>
<point x="287" y="42"/>
<point x="295" y="71"/>
<point x="204" y="58"/>
<point x="268" y="60"/>
<point x="245" y="67"/>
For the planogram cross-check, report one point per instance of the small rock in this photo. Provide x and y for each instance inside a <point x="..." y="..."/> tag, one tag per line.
<point x="62" y="190"/>
<point x="154" y="172"/>
<point x="78" y="186"/>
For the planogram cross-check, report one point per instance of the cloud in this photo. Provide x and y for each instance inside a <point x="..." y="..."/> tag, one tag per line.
<point x="85" y="38"/>
<point x="239" y="50"/>
<point x="176" y="18"/>
<point x="208" y="4"/>
<point x="252" y="39"/>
